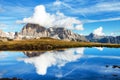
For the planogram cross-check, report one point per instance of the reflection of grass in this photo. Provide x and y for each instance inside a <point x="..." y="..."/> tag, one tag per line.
<point x="48" y="44"/>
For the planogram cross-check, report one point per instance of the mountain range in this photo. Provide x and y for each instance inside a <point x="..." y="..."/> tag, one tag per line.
<point x="32" y="31"/>
<point x="37" y="31"/>
<point x="103" y="39"/>
<point x="7" y="34"/>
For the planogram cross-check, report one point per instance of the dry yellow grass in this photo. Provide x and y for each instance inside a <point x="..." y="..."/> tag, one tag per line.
<point x="48" y="44"/>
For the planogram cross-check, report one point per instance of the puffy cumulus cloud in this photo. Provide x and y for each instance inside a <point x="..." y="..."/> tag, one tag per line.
<point x="43" y="18"/>
<point x="99" y="31"/>
<point x="56" y="58"/>
<point x="79" y="27"/>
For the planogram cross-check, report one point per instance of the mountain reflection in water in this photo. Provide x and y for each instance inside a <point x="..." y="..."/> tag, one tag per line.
<point x="54" y="58"/>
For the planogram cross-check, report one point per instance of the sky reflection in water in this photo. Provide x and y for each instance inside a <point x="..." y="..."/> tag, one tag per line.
<point x="74" y="63"/>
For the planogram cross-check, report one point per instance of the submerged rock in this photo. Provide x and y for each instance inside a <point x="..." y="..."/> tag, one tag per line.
<point x="116" y="66"/>
<point x="113" y="66"/>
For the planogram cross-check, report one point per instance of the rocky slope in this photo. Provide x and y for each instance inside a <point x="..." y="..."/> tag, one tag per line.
<point x="110" y="39"/>
<point x="103" y="39"/>
<point x="93" y="37"/>
<point x="9" y="35"/>
<point x="34" y="30"/>
<point x="37" y="31"/>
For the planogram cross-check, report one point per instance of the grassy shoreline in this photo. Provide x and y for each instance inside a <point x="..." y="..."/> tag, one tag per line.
<point x="48" y="44"/>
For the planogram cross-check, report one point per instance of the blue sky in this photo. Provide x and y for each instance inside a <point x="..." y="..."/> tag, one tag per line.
<point x="92" y="13"/>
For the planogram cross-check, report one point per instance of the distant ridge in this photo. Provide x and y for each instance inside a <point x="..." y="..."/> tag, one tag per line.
<point x="103" y="39"/>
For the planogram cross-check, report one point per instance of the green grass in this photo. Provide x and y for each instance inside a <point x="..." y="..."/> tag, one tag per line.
<point x="48" y="44"/>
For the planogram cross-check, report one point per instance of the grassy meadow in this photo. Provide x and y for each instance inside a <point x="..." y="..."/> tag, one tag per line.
<point x="48" y="44"/>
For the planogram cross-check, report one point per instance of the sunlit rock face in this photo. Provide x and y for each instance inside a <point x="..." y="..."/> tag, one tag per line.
<point x="35" y="31"/>
<point x="9" y="35"/>
<point x="54" y="58"/>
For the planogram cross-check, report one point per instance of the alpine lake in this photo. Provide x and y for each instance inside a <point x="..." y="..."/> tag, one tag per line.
<point x="97" y="63"/>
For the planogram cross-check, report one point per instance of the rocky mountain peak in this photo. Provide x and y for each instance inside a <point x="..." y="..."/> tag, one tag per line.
<point x="35" y="30"/>
<point x="31" y="27"/>
<point x="93" y="37"/>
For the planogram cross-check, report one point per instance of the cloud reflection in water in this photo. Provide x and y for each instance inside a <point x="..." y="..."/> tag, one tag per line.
<point x="54" y="58"/>
<point x="99" y="48"/>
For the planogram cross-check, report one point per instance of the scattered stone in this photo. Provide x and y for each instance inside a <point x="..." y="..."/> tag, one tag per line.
<point x="107" y="66"/>
<point x="116" y="66"/>
<point x="113" y="66"/>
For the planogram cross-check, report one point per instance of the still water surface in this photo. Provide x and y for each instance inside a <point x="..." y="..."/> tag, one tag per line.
<point x="70" y="64"/>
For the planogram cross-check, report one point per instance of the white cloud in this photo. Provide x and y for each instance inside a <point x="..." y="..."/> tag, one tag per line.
<point x="101" y="20"/>
<point x="81" y="6"/>
<point x="79" y="27"/>
<point x="3" y="56"/>
<point x="43" y="18"/>
<point x="106" y="57"/>
<point x="99" y="48"/>
<point x="102" y="7"/>
<point x="59" y="59"/>
<point x="98" y="8"/>
<point x="2" y="25"/>
<point x="57" y="3"/>
<point x="60" y="4"/>
<point x="99" y="31"/>
<point x="113" y="34"/>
